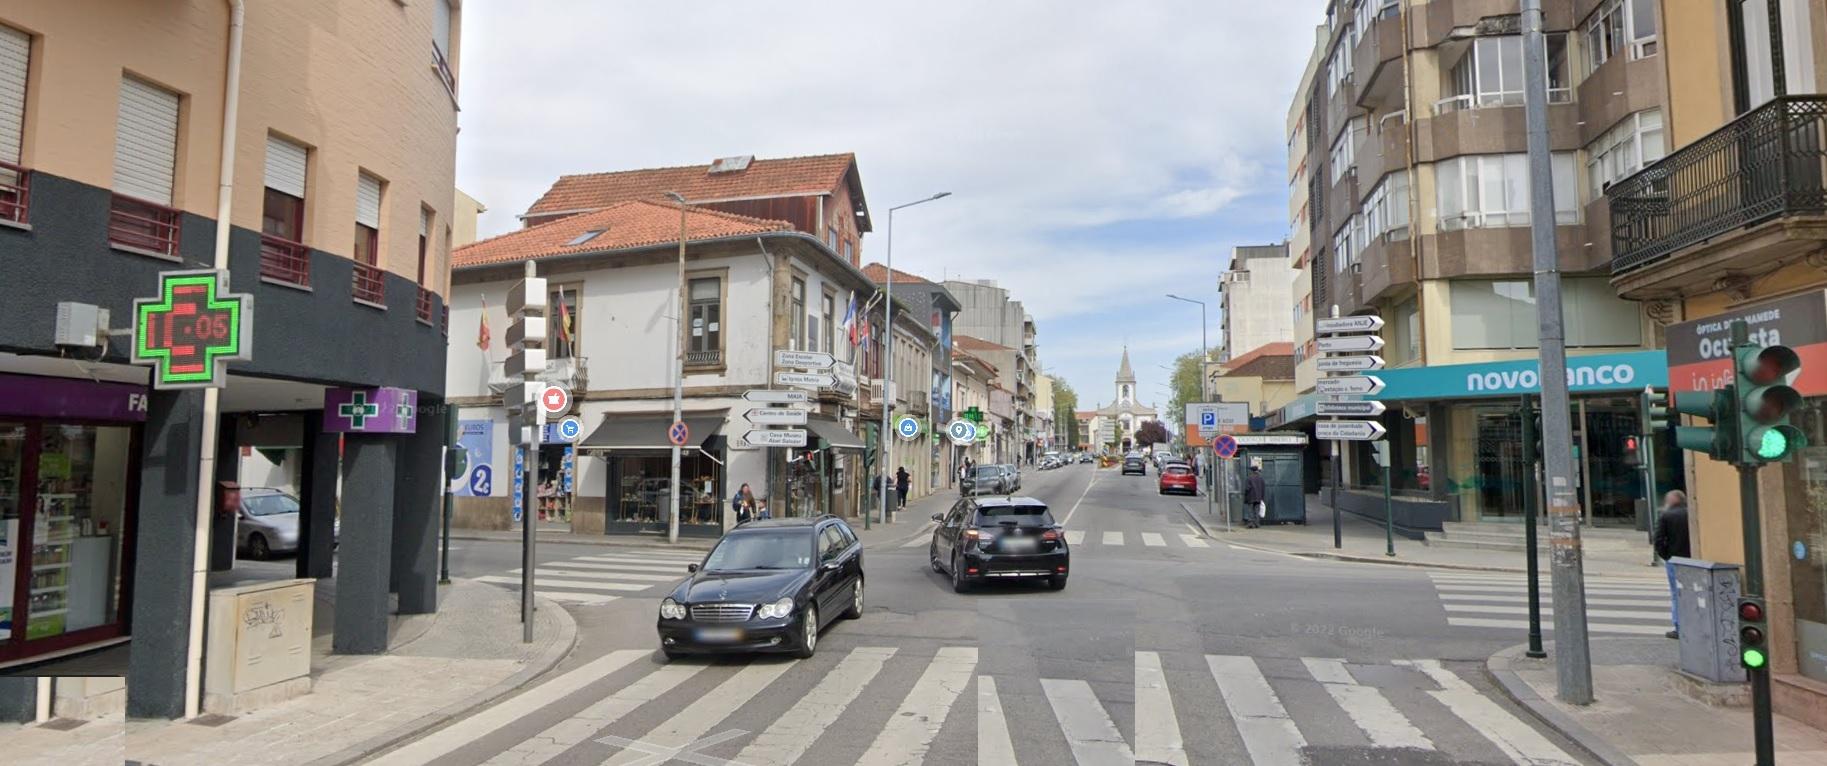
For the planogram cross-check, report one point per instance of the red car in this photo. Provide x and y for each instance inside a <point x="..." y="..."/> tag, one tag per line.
<point x="1178" y="477"/>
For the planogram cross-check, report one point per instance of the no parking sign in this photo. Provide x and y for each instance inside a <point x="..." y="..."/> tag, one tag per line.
<point x="1225" y="446"/>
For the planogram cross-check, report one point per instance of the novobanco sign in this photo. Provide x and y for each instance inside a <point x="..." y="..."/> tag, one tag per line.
<point x="1627" y="371"/>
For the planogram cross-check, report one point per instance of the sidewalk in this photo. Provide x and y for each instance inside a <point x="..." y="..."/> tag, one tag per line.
<point x="1644" y="719"/>
<point x="1364" y="542"/>
<point x="440" y="666"/>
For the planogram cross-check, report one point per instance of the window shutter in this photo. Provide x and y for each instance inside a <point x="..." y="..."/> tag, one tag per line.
<point x="15" y="58"/>
<point x="285" y="166"/>
<point x="424" y="222"/>
<point x="368" y="201"/>
<point x="440" y="26"/>
<point x="146" y="141"/>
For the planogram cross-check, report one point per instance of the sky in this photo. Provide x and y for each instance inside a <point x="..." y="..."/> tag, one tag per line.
<point x="1100" y="155"/>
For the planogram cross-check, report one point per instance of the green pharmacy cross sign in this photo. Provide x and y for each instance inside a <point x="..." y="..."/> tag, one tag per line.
<point x="192" y="329"/>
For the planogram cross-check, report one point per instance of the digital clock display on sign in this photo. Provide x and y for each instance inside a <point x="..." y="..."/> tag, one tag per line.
<point x="191" y="329"/>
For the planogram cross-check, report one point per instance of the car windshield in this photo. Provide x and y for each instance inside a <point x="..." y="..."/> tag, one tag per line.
<point x="988" y="472"/>
<point x="784" y="549"/>
<point x="268" y="505"/>
<point x="1025" y="514"/>
<point x="1178" y="469"/>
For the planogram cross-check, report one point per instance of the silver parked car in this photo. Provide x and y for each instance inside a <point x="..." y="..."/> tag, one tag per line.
<point x="269" y="523"/>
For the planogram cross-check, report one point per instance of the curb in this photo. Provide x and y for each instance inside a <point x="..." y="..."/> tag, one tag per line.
<point x="1196" y="522"/>
<point x="560" y="647"/>
<point x="1498" y="667"/>
<point x="569" y="539"/>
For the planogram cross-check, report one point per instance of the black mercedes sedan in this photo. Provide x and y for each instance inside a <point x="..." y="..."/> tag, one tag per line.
<point x="768" y="586"/>
<point x="999" y="538"/>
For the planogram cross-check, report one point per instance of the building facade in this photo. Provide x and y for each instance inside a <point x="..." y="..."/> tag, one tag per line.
<point x="1256" y="290"/>
<point x="991" y="315"/>
<point x="1115" y="423"/>
<point x="928" y="391"/>
<point x="321" y="189"/>
<point x="1300" y="229"/>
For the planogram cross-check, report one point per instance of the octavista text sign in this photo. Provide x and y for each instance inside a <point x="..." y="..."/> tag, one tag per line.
<point x="192" y="329"/>
<point x="1700" y="355"/>
<point x="1627" y="371"/>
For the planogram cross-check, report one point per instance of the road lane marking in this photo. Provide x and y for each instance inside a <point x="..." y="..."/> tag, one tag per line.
<point x="585" y="723"/>
<point x="1190" y="529"/>
<point x="1268" y="733"/>
<point x="1075" y="536"/>
<point x="910" y="731"/>
<point x="1158" y="737"/>
<point x="1094" y="739"/>
<point x="1153" y="539"/>
<point x="1113" y="538"/>
<point x="1643" y="601"/>
<point x="994" y="745"/>
<point x="588" y="599"/>
<point x="1194" y="541"/>
<point x="577" y="564"/>
<point x="580" y="584"/>
<point x="923" y="537"/>
<point x="1443" y="588"/>
<point x="596" y="575"/>
<point x="1595" y="627"/>
<point x="697" y="719"/>
<point x="1612" y="614"/>
<point x="788" y="738"/>
<point x="1516" y="739"/>
<point x="661" y="564"/>
<point x="492" y="719"/>
<point x="1368" y="708"/>
<point x="1081" y="499"/>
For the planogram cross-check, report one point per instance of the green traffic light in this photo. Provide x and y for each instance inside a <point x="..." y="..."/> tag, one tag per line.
<point x="1773" y="444"/>
<point x="1754" y="658"/>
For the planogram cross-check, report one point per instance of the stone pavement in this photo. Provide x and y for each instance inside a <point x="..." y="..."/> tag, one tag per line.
<point x="1643" y="717"/>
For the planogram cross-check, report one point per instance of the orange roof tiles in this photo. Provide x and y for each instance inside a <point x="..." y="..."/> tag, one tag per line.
<point x="762" y="178"/>
<point x="970" y="343"/>
<point x="623" y="226"/>
<point x="878" y="273"/>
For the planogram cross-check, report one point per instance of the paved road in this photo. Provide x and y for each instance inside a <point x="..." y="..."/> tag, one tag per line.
<point x="1166" y="647"/>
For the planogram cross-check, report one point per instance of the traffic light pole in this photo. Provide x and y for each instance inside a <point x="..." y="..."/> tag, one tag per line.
<point x="1531" y="510"/>
<point x="1647" y="446"/>
<point x="1762" y="728"/>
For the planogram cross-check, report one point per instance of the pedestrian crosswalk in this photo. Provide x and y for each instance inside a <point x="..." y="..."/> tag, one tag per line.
<point x="1114" y="539"/>
<point x="776" y="711"/>
<point x="601" y="578"/>
<point x="1614" y="605"/>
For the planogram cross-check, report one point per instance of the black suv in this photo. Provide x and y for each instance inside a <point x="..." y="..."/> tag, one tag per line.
<point x="768" y="586"/>
<point x="995" y="538"/>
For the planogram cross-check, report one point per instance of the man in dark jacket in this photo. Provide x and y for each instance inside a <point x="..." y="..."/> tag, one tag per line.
<point x="1671" y="542"/>
<point x="902" y="482"/>
<point x="1255" y="509"/>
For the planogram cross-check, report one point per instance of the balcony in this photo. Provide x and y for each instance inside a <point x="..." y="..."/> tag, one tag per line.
<point x="15" y="193"/>
<point x="370" y="286"/>
<point x="710" y="358"/>
<point x="1765" y="166"/>
<point x="427" y="305"/>
<point x="284" y="261"/>
<point x="442" y="66"/>
<point x="148" y="228"/>
<point x="571" y="372"/>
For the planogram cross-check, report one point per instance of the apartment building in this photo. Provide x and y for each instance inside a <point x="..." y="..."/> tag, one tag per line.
<point x="1300" y="233"/>
<point x="1726" y="227"/>
<point x="926" y="391"/>
<point x="1419" y="212"/>
<point x="1255" y="291"/>
<point x="320" y="189"/>
<point x="989" y="314"/>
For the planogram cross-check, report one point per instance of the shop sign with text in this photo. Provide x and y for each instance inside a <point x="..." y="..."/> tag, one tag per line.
<point x="1700" y="354"/>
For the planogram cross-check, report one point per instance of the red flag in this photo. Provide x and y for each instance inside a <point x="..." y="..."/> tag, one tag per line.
<point x="482" y="333"/>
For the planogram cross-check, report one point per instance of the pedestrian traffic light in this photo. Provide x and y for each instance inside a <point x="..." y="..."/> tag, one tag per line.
<point x="1633" y="455"/>
<point x="1718" y="440"/>
<point x="1753" y="639"/>
<point x="1762" y="375"/>
<point x="1654" y="412"/>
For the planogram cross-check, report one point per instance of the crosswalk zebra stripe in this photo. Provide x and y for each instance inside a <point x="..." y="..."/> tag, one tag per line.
<point x="1368" y="708"/>
<point x="599" y="575"/>
<point x="1523" y="590"/>
<point x="1595" y="627"/>
<point x="917" y="542"/>
<point x="595" y="566"/>
<point x="910" y="731"/>
<point x="1153" y="539"/>
<point x="492" y="719"/>
<point x="1075" y="536"/>
<point x="1519" y="576"/>
<point x="1094" y="739"/>
<point x="793" y="733"/>
<point x="1193" y="541"/>
<point x="1267" y="731"/>
<point x="579" y="584"/>
<point x="1642" y="601"/>
<point x="567" y="597"/>
<point x="668" y="563"/>
<point x="1516" y="739"/>
<point x="1158" y="737"/>
<point x="994" y="745"/>
<point x="1610" y="614"/>
<point x="1518" y="582"/>
<point x="698" y="718"/>
<point x="572" y="731"/>
<point x="1113" y="538"/>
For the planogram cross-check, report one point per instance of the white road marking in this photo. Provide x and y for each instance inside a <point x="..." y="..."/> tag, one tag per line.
<point x="1157" y="730"/>
<point x="1075" y="536"/>
<point x="1191" y="529"/>
<point x="668" y="564"/>
<point x="1642" y="601"/>
<point x="917" y="542"/>
<point x="1153" y="539"/>
<point x="1523" y="590"/>
<point x="994" y="745"/>
<point x="1113" y="538"/>
<point x="1094" y="739"/>
<point x="589" y="599"/>
<point x="1596" y="627"/>
<point x="491" y="719"/>
<point x="577" y="564"/>
<point x="1081" y="499"/>
<point x="1267" y="731"/>
<point x="1516" y="739"/>
<point x="910" y="731"/>
<point x="586" y="723"/>
<point x="1194" y="541"/>
<point x="793" y="733"/>
<point x="580" y="584"/>
<point x="600" y="575"/>
<point x="1523" y="609"/>
<point x="697" y="719"/>
<point x="1368" y="708"/>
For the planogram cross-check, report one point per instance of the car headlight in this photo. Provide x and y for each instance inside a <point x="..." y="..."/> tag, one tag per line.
<point x="671" y="610"/>
<point x="781" y="608"/>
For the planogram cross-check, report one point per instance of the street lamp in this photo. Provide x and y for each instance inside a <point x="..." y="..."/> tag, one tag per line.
<point x="678" y="374"/>
<point x="888" y="352"/>
<point x="1207" y="470"/>
<point x="1203" y="353"/>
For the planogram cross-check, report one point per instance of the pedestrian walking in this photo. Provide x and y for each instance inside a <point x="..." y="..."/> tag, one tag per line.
<point x="744" y="504"/>
<point x="1672" y="542"/>
<point x="902" y="481"/>
<point x="1255" y="494"/>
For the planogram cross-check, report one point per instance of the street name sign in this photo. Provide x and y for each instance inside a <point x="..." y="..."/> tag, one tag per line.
<point x="1367" y="385"/>
<point x="776" y="416"/>
<point x="1348" y="430"/>
<point x="192" y="329"/>
<point x="1348" y="324"/>
<point x="811" y="360"/>
<point x="775" y="397"/>
<point x="1363" y="409"/>
<point x="1350" y="343"/>
<point x="783" y="437"/>
<point x="807" y="379"/>
<point x="1350" y="363"/>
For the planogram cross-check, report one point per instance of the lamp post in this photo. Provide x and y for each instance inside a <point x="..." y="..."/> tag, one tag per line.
<point x="678" y="375"/>
<point x="1210" y="472"/>
<point x="888" y="351"/>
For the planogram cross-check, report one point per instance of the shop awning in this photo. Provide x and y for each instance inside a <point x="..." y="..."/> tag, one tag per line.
<point x="834" y="433"/>
<point x="646" y="431"/>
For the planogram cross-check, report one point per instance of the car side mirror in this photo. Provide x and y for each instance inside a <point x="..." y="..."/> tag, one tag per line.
<point x="693" y="568"/>
<point x="938" y="517"/>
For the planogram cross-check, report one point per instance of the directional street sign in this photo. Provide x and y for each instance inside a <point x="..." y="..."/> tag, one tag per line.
<point x="811" y="360"/>
<point x="908" y="427"/>
<point x="528" y="296"/>
<point x="1367" y="409"/>
<point x="1368" y="385"/>
<point x="784" y="437"/>
<point x="1265" y="440"/>
<point x="1350" y="363"/>
<point x="961" y="432"/>
<point x="776" y="416"/>
<point x="525" y="360"/>
<point x="1348" y="324"/>
<point x="1350" y="343"/>
<point x="775" y="397"/>
<point x="1348" y="430"/>
<point x="807" y="379"/>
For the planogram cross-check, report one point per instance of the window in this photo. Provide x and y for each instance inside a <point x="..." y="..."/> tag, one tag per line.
<point x="282" y="215"/>
<point x="1406" y="329"/>
<point x="1338" y="65"/>
<point x="1386" y="209"/>
<point x="584" y="237"/>
<point x="440" y="43"/>
<point x="1634" y="142"/>
<point x="15" y="64"/>
<point x="562" y="324"/>
<point x="1369" y="11"/>
<point x="369" y="286"/>
<point x="796" y="315"/>
<point x="850" y="251"/>
<point x="1754" y="49"/>
<point x="1501" y="314"/>
<point x="1492" y="190"/>
<point x="1344" y="149"/>
<point x="706" y="321"/>
<point x="1491" y="74"/>
<point x="1618" y="23"/>
<point x="830" y="312"/>
<point x="1342" y="254"/>
<point x="145" y="162"/>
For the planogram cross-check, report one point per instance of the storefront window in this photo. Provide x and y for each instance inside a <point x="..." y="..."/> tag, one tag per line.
<point x="1806" y="505"/>
<point x="642" y="496"/>
<point x="12" y="472"/>
<point x="81" y="504"/>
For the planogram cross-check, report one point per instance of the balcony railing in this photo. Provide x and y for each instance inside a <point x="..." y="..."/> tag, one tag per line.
<point x="142" y="226"/>
<point x="370" y="285"/>
<point x="15" y="192"/>
<point x="710" y="358"/>
<point x="444" y="321"/>
<point x="282" y="260"/>
<point x="1461" y="103"/>
<point x="1767" y="163"/>
<point x="442" y="65"/>
<point x="427" y="306"/>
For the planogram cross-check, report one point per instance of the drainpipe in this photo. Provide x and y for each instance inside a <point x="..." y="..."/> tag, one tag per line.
<point x="212" y="400"/>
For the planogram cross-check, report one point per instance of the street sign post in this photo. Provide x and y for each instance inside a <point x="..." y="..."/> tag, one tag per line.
<point x="527" y="309"/>
<point x="810" y="360"/>
<point x="782" y="437"/>
<point x="805" y="379"/>
<point x="776" y="416"/>
<point x="1349" y="363"/>
<point x="1363" y="409"/>
<point x="1366" y="385"/>
<point x="1356" y="338"/>
<point x="769" y="396"/>
<point x="1337" y="325"/>
<point x="1348" y="430"/>
<point x="1350" y="343"/>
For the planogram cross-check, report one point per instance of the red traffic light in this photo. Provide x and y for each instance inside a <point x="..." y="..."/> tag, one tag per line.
<point x="1630" y="443"/>
<point x="1749" y="636"/>
<point x="1751" y="611"/>
<point x="1770" y="365"/>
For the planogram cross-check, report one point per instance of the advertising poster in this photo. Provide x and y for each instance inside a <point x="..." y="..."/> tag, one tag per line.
<point x="477" y="438"/>
<point x="9" y="554"/>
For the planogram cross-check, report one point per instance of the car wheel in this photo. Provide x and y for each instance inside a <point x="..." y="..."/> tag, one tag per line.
<point x="856" y="602"/>
<point x="808" y="638"/>
<point x="257" y="547"/>
<point x="959" y="584"/>
<point x="1057" y="582"/>
<point x="932" y="558"/>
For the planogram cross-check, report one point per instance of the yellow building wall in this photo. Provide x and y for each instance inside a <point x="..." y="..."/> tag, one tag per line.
<point x="1700" y="85"/>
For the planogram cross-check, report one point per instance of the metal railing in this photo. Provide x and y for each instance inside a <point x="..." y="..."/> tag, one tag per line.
<point x="709" y="358"/>
<point x="427" y="306"/>
<point x="283" y="260"/>
<point x="444" y="321"/>
<point x="442" y="64"/>
<point x="1767" y="163"/>
<point x="1467" y="101"/>
<point x="370" y="285"/>
<point x="141" y="225"/>
<point x="15" y="192"/>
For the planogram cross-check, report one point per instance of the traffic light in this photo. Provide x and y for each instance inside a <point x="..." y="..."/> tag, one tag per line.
<point x="1718" y="440"/>
<point x="1753" y="639"/>
<point x="1654" y="412"/>
<point x="1761" y="376"/>
<point x="1633" y="456"/>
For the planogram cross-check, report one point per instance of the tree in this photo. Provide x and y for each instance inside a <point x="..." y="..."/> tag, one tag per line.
<point x="1151" y="432"/>
<point x="1185" y="383"/>
<point x="1065" y="411"/>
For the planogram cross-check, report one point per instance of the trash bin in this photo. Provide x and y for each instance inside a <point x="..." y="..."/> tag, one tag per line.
<point x="1708" y="606"/>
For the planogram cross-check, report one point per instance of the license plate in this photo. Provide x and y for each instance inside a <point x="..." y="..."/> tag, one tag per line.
<point x="719" y="634"/>
<point x="1018" y="544"/>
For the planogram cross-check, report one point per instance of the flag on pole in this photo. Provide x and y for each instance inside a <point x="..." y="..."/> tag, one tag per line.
<point x="850" y="320"/>
<point x="482" y="335"/>
<point x="564" y="318"/>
